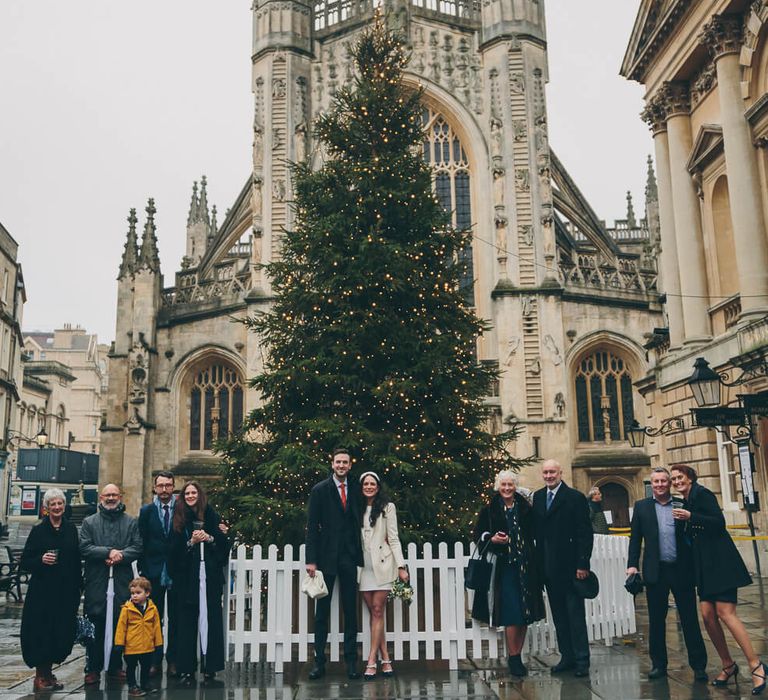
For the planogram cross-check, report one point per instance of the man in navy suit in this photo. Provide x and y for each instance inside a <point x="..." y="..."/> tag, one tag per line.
<point x="333" y="547"/>
<point x="563" y="549"/>
<point x="667" y="566"/>
<point x="156" y="528"/>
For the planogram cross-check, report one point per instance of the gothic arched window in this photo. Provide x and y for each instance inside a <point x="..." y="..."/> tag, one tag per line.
<point x="445" y="154"/>
<point x="603" y="397"/>
<point x="216" y="405"/>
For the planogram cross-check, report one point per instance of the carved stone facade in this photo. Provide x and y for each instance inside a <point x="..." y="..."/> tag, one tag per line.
<point x="554" y="283"/>
<point x="709" y="121"/>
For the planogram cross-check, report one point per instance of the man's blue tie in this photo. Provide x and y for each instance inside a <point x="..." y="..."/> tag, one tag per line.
<point x="166" y="518"/>
<point x="550" y="498"/>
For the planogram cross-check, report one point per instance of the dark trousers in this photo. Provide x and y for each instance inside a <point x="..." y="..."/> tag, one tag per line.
<point x="570" y="620"/>
<point x="95" y="649"/>
<point x="132" y="661"/>
<point x="347" y="578"/>
<point x="159" y="598"/>
<point x="672" y="579"/>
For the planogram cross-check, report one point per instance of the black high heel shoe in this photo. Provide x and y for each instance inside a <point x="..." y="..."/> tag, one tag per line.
<point x="758" y="689"/>
<point x="730" y="672"/>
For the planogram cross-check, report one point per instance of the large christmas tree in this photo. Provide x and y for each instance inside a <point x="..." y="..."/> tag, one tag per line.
<point x="370" y="344"/>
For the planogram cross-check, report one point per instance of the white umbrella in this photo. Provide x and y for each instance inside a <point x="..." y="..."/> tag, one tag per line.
<point x="202" y="618"/>
<point x="108" y="624"/>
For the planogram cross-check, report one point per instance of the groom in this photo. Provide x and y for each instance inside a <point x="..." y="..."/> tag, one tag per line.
<point x="333" y="547"/>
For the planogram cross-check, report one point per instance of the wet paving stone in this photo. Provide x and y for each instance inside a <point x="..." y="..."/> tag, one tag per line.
<point x="618" y="672"/>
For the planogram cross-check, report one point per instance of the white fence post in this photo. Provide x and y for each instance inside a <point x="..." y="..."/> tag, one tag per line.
<point x="278" y="635"/>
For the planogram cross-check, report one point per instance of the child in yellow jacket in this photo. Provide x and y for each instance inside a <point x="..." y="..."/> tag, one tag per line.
<point x="138" y="634"/>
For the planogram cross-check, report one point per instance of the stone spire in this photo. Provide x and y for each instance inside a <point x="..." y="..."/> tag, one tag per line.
<point x="214" y="227"/>
<point x="651" y="190"/>
<point x="631" y="220"/>
<point x="194" y="205"/>
<point x="148" y="255"/>
<point x="203" y="214"/>
<point x="130" y="252"/>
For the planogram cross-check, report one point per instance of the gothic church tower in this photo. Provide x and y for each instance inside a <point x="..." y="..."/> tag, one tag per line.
<point x="483" y="71"/>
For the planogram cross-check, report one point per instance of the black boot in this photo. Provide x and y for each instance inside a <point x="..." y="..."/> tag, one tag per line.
<point x="516" y="667"/>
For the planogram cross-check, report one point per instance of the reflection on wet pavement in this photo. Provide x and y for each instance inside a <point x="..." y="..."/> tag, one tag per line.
<point x="618" y="672"/>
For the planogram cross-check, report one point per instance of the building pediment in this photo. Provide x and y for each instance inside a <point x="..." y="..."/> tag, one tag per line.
<point x="654" y="22"/>
<point x="708" y="144"/>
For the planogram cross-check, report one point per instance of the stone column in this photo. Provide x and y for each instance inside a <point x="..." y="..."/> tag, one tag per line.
<point x="723" y="36"/>
<point x="670" y="268"/>
<point x="676" y="102"/>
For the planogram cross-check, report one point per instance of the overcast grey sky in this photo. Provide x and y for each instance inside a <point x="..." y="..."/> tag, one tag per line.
<point x="107" y="103"/>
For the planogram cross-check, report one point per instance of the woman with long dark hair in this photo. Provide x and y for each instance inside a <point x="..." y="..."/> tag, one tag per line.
<point x="196" y="524"/>
<point x="720" y="572"/>
<point x="49" y="619"/>
<point x="383" y="562"/>
<point x="514" y="601"/>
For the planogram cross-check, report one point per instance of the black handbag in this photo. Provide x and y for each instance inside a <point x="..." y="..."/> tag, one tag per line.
<point x="477" y="575"/>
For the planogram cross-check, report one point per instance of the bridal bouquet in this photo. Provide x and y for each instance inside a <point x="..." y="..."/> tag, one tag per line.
<point x="401" y="589"/>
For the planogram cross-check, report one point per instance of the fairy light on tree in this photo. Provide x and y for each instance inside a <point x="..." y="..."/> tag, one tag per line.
<point x="370" y="343"/>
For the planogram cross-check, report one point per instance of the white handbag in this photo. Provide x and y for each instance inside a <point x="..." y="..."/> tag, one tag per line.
<point x="314" y="586"/>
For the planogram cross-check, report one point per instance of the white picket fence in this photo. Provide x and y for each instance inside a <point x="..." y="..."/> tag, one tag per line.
<point x="269" y="619"/>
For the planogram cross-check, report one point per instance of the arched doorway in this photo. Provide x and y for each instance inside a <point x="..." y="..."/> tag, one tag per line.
<point x="616" y="500"/>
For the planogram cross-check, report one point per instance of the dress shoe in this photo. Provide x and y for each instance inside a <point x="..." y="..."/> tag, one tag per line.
<point x="655" y="673"/>
<point x="55" y="682"/>
<point x="581" y="671"/>
<point x="92" y="678"/>
<point x="700" y="675"/>
<point x="41" y="683"/>
<point x="563" y="665"/>
<point x="760" y="671"/>
<point x="352" y="672"/>
<point x="317" y="672"/>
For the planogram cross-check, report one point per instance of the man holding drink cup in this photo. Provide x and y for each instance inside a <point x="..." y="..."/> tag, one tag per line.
<point x="667" y="566"/>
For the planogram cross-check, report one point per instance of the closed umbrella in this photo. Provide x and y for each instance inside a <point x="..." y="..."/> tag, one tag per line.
<point x="202" y="619"/>
<point x="109" y="620"/>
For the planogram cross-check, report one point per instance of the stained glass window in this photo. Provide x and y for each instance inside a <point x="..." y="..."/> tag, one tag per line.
<point x="603" y="387"/>
<point x="444" y="152"/>
<point x="216" y="405"/>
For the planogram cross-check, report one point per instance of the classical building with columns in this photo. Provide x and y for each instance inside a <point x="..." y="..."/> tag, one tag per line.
<point x="704" y="65"/>
<point x="571" y="302"/>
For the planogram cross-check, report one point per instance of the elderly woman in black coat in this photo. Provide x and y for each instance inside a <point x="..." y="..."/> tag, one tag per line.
<point x="505" y="527"/>
<point x="49" y="619"/>
<point x="719" y="571"/>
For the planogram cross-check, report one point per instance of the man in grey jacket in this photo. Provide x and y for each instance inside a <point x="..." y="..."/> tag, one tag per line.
<point x="109" y="539"/>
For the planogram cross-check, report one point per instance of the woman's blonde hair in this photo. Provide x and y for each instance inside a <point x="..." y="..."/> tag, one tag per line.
<point x="505" y="474"/>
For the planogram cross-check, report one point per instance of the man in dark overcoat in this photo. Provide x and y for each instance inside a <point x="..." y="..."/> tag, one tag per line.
<point x="109" y="539"/>
<point x="563" y="549"/>
<point x="667" y="566"/>
<point x="156" y="528"/>
<point x="333" y="546"/>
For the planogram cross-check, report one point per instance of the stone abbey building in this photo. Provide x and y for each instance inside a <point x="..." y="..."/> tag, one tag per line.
<point x="571" y="302"/>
